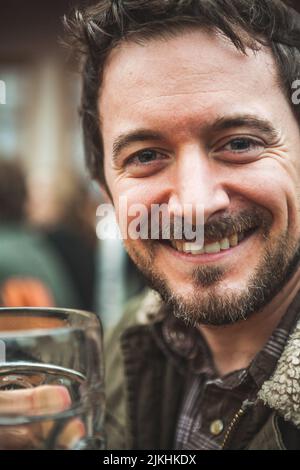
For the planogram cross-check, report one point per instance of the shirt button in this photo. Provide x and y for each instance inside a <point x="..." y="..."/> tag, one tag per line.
<point x="216" y="427"/>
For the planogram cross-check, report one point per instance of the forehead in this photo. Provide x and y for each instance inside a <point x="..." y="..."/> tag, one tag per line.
<point x="182" y="79"/>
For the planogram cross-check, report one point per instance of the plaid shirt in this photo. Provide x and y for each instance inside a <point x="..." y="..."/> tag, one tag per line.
<point x="210" y="402"/>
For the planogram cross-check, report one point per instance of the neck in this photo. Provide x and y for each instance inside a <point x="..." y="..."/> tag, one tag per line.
<point x="234" y="346"/>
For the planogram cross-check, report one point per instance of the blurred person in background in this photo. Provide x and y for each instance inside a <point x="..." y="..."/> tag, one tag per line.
<point x="31" y="273"/>
<point x="74" y="238"/>
<point x="40" y="122"/>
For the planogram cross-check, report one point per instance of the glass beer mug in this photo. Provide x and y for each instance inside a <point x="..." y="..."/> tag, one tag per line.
<point x="51" y="379"/>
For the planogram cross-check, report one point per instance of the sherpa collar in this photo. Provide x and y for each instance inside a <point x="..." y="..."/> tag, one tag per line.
<point x="282" y="391"/>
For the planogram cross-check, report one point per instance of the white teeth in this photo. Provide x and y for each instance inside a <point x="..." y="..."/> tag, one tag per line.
<point x="212" y="248"/>
<point x="187" y="247"/>
<point x="233" y="240"/>
<point x="224" y="244"/>
<point x="198" y="249"/>
<point x="193" y="248"/>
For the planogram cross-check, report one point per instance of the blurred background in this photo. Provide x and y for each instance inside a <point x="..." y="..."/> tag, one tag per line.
<point x="49" y="252"/>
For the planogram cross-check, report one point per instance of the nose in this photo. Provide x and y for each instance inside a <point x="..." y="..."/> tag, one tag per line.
<point x="198" y="186"/>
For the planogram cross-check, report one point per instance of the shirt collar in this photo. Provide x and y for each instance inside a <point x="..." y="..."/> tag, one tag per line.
<point x="187" y="348"/>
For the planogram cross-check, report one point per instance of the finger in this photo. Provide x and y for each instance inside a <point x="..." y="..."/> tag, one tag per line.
<point x="72" y="434"/>
<point x="40" y="400"/>
<point x="67" y="438"/>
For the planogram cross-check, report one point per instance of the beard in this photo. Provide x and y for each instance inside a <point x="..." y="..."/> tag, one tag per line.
<point x="209" y="304"/>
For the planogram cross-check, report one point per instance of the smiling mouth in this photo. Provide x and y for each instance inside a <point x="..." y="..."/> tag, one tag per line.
<point x="219" y="245"/>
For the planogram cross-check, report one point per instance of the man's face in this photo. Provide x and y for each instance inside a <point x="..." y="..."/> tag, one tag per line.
<point x="190" y="120"/>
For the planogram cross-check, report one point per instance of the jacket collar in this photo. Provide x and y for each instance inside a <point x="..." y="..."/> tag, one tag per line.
<point x="281" y="392"/>
<point x="151" y="309"/>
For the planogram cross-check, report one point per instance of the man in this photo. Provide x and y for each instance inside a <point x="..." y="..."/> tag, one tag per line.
<point x="184" y="103"/>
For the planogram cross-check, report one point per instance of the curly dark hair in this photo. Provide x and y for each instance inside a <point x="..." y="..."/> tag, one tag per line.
<point x="95" y="31"/>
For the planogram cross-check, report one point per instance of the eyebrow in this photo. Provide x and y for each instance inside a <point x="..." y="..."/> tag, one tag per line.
<point x="224" y="123"/>
<point x="246" y="120"/>
<point x="125" y="140"/>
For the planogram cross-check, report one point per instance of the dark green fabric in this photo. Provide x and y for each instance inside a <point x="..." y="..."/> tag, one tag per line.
<point x="116" y="419"/>
<point x="25" y="253"/>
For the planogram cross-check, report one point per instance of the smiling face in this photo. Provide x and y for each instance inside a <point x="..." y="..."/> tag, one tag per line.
<point x="191" y="120"/>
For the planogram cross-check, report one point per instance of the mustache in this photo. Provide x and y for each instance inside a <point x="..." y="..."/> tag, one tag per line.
<point x="222" y="227"/>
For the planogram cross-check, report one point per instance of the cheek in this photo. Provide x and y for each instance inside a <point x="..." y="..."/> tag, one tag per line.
<point x="273" y="186"/>
<point x="132" y="201"/>
<point x="138" y="191"/>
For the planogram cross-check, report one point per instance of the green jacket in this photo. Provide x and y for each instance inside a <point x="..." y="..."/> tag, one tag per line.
<point x="25" y="253"/>
<point x="144" y="389"/>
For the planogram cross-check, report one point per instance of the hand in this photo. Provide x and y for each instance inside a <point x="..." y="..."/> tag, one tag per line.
<point x="43" y="400"/>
